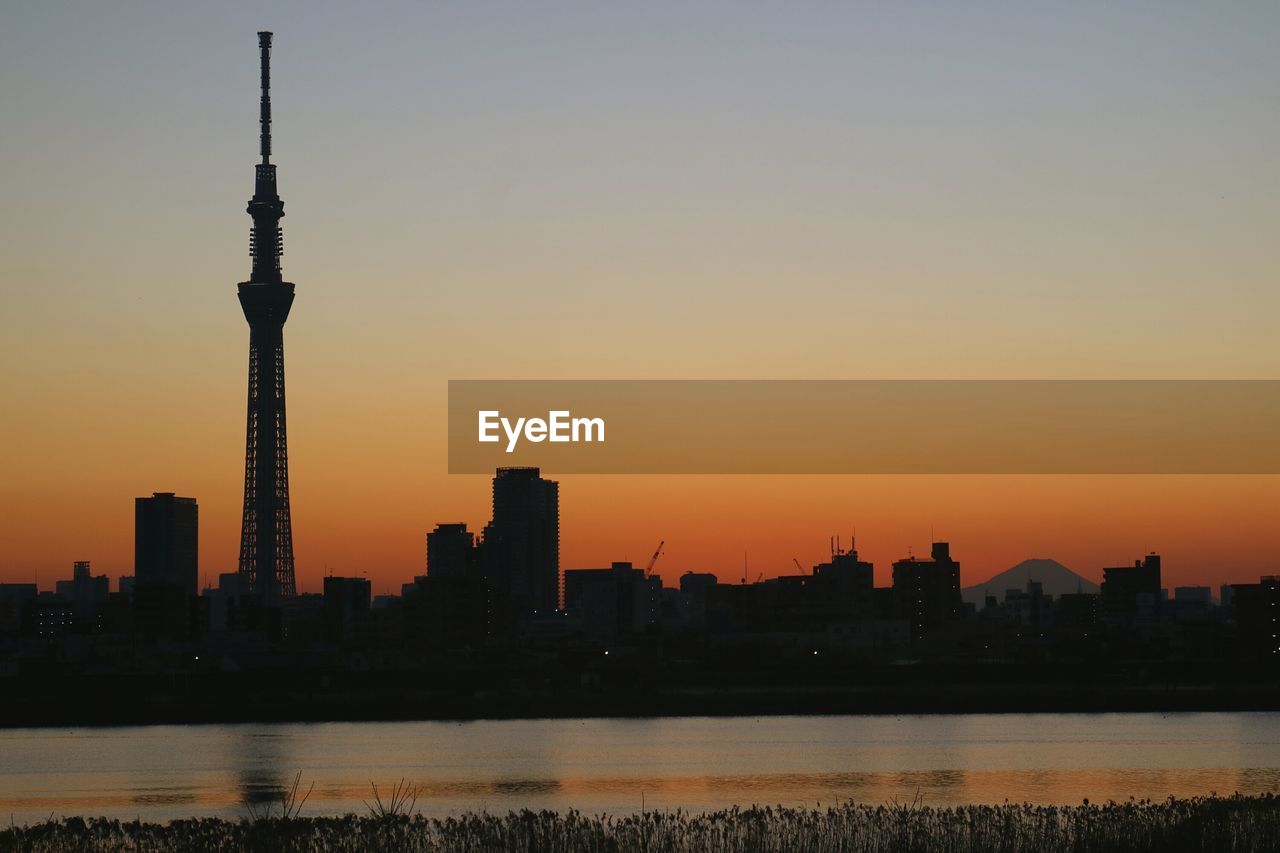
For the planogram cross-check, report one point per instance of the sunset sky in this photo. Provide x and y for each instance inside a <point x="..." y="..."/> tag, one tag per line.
<point x="478" y="190"/>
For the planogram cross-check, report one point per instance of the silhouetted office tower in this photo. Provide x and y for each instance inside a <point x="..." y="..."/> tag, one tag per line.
<point x="266" y="532"/>
<point x="221" y="601"/>
<point x="1257" y="614"/>
<point x="445" y="612"/>
<point x="451" y="551"/>
<point x="18" y="607"/>
<point x="345" y="602"/>
<point x="927" y="592"/>
<point x="847" y="582"/>
<point x="448" y="607"/>
<point x="521" y="546"/>
<point x="613" y="603"/>
<point x="166" y="540"/>
<point x="1130" y="592"/>
<point x="695" y="588"/>
<point x="84" y="591"/>
<point x="697" y="582"/>
<point x="166" y="564"/>
<point x="1076" y="611"/>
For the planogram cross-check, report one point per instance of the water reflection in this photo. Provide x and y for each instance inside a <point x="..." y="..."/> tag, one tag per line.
<point x="524" y="786"/>
<point x="932" y="780"/>
<point x="159" y="796"/>
<point x="260" y="758"/>
<point x="1257" y="779"/>
<point x="597" y="766"/>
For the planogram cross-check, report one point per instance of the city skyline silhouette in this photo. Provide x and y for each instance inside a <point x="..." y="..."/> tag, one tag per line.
<point x="453" y="217"/>
<point x="978" y="303"/>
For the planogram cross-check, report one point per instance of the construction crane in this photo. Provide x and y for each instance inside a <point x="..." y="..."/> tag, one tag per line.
<point x="657" y="552"/>
<point x="798" y="566"/>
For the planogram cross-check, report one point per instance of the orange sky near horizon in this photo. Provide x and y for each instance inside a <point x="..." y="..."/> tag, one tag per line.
<point x="1210" y="530"/>
<point x="606" y="192"/>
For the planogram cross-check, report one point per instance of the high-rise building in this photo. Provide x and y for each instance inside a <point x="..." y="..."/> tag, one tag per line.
<point x="17" y="607"/>
<point x="1257" y="617"/>
<point x="451" y="551"/>
<point x="927" y="592"/>
<point x="84" y="591"/>
<point x="521" y="546"/>
<point x="346" y="602"/>
<point x="1130" y="592"/>
<point x="266" y="532"/>
<point x="613" y="603"/>
<point x="166" y="564"/>
<point x="166" y="540"/>
<point x="846" y="584"/>
<point x="447" y="612"/>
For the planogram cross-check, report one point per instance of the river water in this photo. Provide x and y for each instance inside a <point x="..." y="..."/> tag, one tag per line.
<point x="614" y="765"/>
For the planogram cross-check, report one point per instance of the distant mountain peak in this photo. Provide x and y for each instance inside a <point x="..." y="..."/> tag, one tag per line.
<point x="1055" y="578"/>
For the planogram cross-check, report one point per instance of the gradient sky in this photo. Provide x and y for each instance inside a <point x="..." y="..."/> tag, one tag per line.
<point x="593" y="190"/>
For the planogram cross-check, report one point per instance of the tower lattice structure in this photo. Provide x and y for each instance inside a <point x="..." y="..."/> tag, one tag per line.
<point x="266" y="534"/>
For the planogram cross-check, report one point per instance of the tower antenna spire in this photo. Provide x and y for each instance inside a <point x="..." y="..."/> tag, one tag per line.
<point x="266" y="240"/>
<point x="264" y="118"/>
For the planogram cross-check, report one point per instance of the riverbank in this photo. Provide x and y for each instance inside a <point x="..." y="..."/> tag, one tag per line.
<point x="86" y="701"/>
<point x="1219" y="824"/>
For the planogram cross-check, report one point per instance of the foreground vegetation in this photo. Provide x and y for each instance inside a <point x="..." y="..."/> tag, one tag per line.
<point x="1224" y="824"/>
